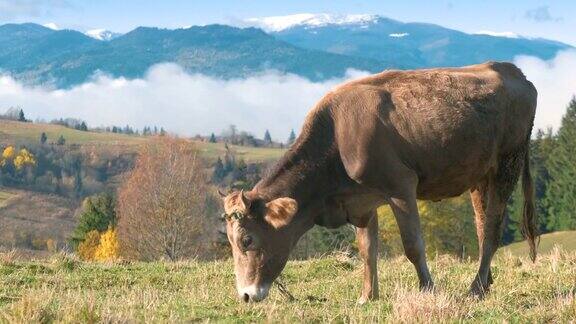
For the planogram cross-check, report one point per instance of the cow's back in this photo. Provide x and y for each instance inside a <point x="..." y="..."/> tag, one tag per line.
<point x="449" y="125"/>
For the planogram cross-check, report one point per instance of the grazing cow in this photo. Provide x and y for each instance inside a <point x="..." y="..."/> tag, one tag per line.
<point x="392" y="138"/>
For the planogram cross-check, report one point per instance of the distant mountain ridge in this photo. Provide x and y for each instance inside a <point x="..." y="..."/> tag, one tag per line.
<point x="38" y="55"/>
<point x="416" y="45"/>
<point x="317" y="47"/>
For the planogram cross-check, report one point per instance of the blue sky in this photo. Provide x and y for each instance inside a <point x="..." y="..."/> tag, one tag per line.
<point x="550" y="19"/>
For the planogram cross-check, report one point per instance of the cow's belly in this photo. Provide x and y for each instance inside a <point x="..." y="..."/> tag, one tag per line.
<point x="447" y="187"/>
<point x="450" y="177"/>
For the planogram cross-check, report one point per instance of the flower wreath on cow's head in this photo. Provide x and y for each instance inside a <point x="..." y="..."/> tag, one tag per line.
<point x="235" y="215"/>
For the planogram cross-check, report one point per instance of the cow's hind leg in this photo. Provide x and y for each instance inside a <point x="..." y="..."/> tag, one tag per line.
<point x="493" y="194"/>
<point x="368" y="247"/>
<point x="405" y="208"/>
<point x="478" y="197"/>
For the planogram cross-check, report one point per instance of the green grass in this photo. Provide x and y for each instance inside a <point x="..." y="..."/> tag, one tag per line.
<point x="565" y="240"/>
<point x="12" y="132"/>
<point x="326" y="290"/>
<point x="4" y="196"/>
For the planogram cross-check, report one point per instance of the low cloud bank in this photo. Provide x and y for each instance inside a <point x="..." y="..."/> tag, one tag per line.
<point x="196" y="104"/>
<point x="556" y="83"/>
<point x="182" y="103"/>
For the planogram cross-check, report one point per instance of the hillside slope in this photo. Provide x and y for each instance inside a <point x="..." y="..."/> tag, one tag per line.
<point x="12" y="132"/>
<point x="564" y="240"/>
<point x="30" y="219"/>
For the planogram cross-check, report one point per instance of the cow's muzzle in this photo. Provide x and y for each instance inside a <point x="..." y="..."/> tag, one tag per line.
<point x="253" y="293"/>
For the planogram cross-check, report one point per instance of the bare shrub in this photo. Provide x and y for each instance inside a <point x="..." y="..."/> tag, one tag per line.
<point x="162" y="204"/>
<point x="8" y="257"/>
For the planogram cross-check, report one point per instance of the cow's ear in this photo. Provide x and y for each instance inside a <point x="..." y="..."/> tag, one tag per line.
<point x="279" y="212"/>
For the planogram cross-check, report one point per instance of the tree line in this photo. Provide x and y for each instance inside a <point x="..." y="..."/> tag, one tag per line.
<point x="233" y="136"/>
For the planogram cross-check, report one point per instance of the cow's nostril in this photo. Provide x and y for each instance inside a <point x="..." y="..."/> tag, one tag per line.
<point x="246" y="298"/>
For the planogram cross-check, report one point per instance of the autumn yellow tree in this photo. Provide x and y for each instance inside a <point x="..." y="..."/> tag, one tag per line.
<point x="19" y="159"/>
<point x="7" y="155"/>
<point x="8" y="152"/>
<point x="24" y="158"/>
<point x="108" y="247"/>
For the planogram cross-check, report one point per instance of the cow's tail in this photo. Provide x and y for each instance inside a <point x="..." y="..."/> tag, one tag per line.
<point x="529" y="217"/>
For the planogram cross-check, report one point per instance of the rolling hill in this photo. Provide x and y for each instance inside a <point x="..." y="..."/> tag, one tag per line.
<point x="30" y="218"/>
<point x="564" y="240"/>
<point x="12" y="132"/>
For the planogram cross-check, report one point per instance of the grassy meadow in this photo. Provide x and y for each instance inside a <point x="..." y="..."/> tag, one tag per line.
<point x="63" y="289"/>
<point x="12" y="132"/>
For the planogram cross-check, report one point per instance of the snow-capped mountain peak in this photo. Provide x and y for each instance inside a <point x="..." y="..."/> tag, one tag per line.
<point x="52" y="26"/>
<point x="279" y="23"/>
<point x="398" y="35"/>
<point x="102" y="34"/>
<point x="497" y="34"/>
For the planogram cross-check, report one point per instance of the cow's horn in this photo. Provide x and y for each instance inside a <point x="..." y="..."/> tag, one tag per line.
<point x="245" y="200"/>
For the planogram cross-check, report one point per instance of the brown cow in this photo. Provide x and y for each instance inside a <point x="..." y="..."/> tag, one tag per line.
<point x="392" y="138"/>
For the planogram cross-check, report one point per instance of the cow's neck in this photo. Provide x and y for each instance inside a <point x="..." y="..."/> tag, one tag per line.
<point x="302" y="178"/>
<point x="309" y="171"/>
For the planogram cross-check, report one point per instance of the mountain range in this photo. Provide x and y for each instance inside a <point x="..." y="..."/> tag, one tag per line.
<point x="38" y="55"/>
<point x="411" y="45"/>
<point x="316" y="47"/>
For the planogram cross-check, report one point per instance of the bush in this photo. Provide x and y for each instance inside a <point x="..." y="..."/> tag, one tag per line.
<point x="162" y="204"/>
<point x="98" y="214"/>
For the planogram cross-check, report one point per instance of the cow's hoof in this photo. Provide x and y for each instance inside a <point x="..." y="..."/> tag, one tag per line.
<point x="478" y="290"/>
<point x="427" y="287"/>
<point x="363" y="300"/>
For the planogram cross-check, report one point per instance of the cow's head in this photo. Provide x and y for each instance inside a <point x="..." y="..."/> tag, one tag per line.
<point x="261" y="240"/>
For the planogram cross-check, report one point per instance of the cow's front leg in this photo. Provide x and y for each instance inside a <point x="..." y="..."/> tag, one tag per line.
<point x="368" y="246"/>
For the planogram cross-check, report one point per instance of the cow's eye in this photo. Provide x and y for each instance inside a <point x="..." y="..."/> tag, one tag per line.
<point x="246" y="241"/>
